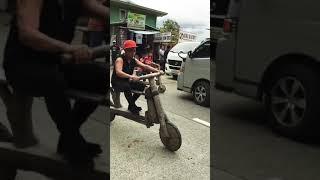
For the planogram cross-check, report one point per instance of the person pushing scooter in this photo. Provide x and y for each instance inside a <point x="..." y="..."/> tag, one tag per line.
<point x="124" y="80"/>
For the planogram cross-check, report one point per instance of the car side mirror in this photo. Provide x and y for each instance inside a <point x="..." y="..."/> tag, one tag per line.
<point x="182" y="56"/>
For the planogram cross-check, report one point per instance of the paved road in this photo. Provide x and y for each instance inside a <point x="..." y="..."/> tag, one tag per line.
<point x="246" y="149"/>
<point x="181" y="103"/>
<point x="137" y="152"/>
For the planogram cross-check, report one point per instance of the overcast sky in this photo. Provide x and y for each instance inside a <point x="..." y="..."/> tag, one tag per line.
<point x="192" y="16"/>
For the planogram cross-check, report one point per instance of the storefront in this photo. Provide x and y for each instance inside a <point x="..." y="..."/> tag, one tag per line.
<point x="131" y="21"/>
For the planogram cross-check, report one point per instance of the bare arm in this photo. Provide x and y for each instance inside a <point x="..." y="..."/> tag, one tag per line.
<point x="146" y="67"/>
<point x="118" y="68"/>
<point x="28" y="17"/>
<point x="96" y="9"/>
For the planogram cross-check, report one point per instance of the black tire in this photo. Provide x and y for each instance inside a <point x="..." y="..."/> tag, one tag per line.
<point x="294" y="115"/>
<point x="202" y="99"/>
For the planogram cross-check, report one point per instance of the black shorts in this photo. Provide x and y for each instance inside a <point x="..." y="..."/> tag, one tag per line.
<point x="126" y="85"/>
<point x="44" y="79"/>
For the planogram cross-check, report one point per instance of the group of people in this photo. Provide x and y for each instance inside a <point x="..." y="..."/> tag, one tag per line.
<point x="146" y="58"/>
<point x="124" y="80"/>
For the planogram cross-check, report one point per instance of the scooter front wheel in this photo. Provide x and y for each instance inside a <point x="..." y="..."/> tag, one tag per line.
<point x="162" y="88"/>
<point x="174" y="141"/>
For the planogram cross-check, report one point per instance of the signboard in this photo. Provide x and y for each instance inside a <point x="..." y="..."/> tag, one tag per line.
<point x="186" y="36"/>
<point x="162" y="37"/>
<point x="139" y="38"/>
<point x="136" y="21"/>
<point x="123" y="36"/>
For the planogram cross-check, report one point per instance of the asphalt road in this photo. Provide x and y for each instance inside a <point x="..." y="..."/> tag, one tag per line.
<point x="181" y="103"/>
<point x="246" y="149"/>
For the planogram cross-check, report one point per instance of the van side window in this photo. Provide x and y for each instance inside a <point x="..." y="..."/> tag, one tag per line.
<point x="202" y="51"/>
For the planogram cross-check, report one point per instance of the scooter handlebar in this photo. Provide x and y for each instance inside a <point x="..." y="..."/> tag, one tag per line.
<point x="97" y="52"/>
<point x="152" y="75"/>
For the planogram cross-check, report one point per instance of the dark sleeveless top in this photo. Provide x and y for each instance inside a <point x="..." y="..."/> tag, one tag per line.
<point x="58" y="20"/>
<point x="128" y="67"/>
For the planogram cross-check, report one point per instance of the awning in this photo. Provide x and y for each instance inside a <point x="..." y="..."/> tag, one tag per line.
<point x="145" y="32"/>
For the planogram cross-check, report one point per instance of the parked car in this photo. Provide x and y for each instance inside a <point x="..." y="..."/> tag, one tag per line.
<point x="194" y="75"/>
<point x="173" y="61"/>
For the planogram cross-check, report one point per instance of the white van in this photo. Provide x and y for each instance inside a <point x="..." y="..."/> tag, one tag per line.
<point x="272" y="54"/>
<point x="194" y="76"/>
<point x="173" y="61"/>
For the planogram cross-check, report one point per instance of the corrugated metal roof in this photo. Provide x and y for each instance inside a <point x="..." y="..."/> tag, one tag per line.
<point x="129" y="3"/>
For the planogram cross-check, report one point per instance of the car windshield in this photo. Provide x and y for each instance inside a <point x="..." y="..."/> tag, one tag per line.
<point x="185" y="47"/>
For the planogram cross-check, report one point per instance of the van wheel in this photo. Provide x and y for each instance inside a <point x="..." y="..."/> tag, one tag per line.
<point x="201" y="93"/>
<point x="292" y="101"/>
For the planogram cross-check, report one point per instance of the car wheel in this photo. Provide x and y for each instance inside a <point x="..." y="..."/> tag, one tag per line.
<point x="201" y="93"/>
<point x="292" y="101"/>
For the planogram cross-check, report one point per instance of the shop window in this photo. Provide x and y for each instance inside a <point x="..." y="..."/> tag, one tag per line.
<point x="123" y="14"/>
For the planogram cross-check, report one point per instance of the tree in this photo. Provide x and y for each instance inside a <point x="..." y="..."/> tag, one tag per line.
<point x="173" y="27"/>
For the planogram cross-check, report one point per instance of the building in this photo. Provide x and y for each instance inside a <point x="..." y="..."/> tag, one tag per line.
<point x="131" y="21"/>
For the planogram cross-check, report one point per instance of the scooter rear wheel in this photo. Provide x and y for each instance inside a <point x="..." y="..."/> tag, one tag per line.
<point x="172" y="143"/>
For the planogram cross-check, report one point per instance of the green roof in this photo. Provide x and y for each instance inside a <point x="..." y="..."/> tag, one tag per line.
<point x="129" y="4"/>
<point x="148" y="27"/>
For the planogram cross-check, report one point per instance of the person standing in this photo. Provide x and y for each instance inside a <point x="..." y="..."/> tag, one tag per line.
<point x="97" y="29"/>
<point x="162" y="61"/>
<point x="115" y="51"/>
<point x="165" y="54"/>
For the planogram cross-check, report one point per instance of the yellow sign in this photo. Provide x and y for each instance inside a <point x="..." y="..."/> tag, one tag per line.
<point x="136" y="21"/>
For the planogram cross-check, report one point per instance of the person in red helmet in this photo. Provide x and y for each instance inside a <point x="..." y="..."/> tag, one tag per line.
<point x="123" y="79"/>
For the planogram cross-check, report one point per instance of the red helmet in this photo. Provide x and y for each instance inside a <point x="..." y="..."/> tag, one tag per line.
<point x="129" y="44"/>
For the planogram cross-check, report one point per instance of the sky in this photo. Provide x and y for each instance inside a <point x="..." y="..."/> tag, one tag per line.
<point x="192" y="16"/>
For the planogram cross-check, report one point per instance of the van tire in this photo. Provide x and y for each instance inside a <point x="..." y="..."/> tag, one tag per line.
<point x="300" y="111"/>
<point x="202" y="99"/>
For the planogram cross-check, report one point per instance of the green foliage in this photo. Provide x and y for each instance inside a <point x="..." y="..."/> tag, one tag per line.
<point x="173" y="27"/>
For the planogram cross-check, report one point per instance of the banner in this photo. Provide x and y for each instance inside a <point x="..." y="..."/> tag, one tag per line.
<point x="136" y="21"/>
<point x="162" y="37"/>
<point x="186" y="36"/>
<point x="139" y="38"/>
